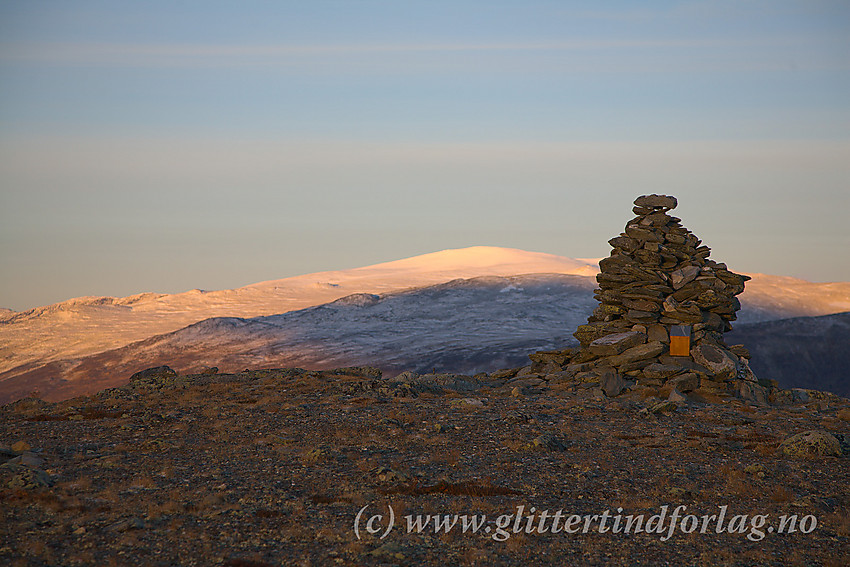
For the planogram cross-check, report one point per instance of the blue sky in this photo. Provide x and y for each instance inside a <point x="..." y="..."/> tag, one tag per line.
<point x="162" y="146"/>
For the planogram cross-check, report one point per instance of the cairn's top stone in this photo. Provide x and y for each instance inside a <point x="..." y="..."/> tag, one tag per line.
<point x="653" y="201"/>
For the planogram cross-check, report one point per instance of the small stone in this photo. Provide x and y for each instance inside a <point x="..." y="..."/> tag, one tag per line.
<point x="642" y="210"/>
<point x="740" y="351"/>
<point x="560" y="377"/>
<point x="316" y="455"/>
<point x="745" y="372"/>
<point x="31" y="460"/>
<point x="752" y="392"/>
<point x="390" y="550"/>
<point x="811" y="445"/>
<point x="679" y="493"/>
<point x="676" y="396"/>
<point x="127" y="525"/>
<point x="658" y="333"/>
<point x="800" y="395"/>
<point x="754" y="469"/>
<point x="547" y="441"/>
<point x="661" y="371"/>
<point x="503" y="374"/>
<point x="686" y="275"/>
<point x="468" y="403"/>
<point x="21" y="446"/>
<point x="687" y="382"/>
<point x="649" y="382"/>
<point x="389" y="476"/>
<point x="660" y="407"/>
<point x="641" y="304"/>
<point x="612" y="384"/>
<point x="641" y="234"/>
<point x="589" y="377"/>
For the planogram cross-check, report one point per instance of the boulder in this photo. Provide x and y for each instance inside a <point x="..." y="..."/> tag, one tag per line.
<point x="719" y="361"/>
<point x="155" y="374"/>
<point x="811" y="445"/>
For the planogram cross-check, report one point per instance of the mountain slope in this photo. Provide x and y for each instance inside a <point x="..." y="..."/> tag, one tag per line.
<point x="804" y="352"/>
<point x="87" y="325"/>
<point x="464" y="326"/>
<point x="46" y="345"/>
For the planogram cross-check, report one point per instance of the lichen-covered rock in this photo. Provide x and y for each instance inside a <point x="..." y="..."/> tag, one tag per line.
<point x="719" y="361"/>
<point x="19" y="476"/>
<point x="153" y="375"/>
<point x="811" y="445"/>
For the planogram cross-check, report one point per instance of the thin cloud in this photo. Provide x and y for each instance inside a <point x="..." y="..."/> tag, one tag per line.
<point x="189" y="55"/>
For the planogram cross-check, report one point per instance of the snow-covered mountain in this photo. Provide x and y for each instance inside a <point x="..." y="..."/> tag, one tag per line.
<point x="390" y="315"/>
<point x="88" y="325"/>
<point x="462" y="325"/>
<point x="472" y="325"/>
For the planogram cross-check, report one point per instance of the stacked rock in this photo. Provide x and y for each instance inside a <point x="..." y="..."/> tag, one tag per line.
<point x="659" y="279"/>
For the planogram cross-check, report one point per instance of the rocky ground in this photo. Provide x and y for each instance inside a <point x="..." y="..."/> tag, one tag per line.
<point x="272" y="467"/>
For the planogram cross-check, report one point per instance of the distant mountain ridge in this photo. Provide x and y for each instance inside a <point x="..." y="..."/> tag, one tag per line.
<point x="62" y="343"/>
<point x="465" y="325"/>
<point x="803" y="352"/>
<point x="88" y="325"/>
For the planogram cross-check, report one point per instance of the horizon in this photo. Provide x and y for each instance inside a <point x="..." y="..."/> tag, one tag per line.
<point x="579" y="270"/>
<point x="163" y="148"/>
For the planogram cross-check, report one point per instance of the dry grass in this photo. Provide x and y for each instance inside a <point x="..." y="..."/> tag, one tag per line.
<point x="781" y="494"/>
<point x="464" y="488"/>
<point x="838" y="521"/>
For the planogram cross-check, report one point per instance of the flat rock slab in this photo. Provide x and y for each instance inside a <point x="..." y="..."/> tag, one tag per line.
<point x="640" y="352"/>
<point x="656" y="201"/>
<point x="616" y="343"/>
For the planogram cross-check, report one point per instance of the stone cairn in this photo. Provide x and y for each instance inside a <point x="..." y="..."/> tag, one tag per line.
<point x="659" y="276"/>
<point x="658" y="279"/>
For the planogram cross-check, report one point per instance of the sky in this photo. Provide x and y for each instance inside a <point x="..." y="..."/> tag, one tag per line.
<point x="166" y="146"/>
